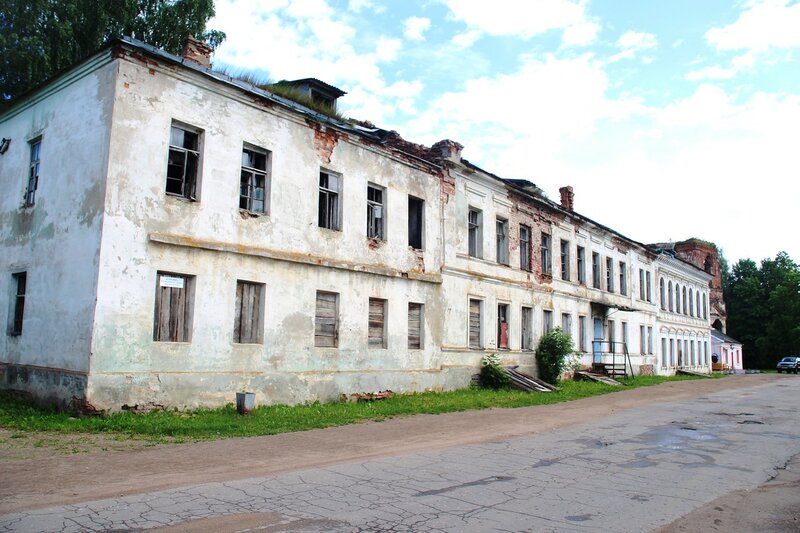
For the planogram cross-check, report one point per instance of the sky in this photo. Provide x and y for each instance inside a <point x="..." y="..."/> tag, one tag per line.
<point x="670" y="119"/>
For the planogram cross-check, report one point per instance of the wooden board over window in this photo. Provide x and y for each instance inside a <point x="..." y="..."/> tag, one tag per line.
<point x="377" y="323"/>
<point x="247" y="325"/>
<point x="475" y="324"/>
<point x="414" y="326"/>
<point x="171" y="321"/>
<point x="326" y="321"/>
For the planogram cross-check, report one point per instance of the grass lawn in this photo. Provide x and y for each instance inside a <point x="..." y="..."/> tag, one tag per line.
<point x="201" y="424"/>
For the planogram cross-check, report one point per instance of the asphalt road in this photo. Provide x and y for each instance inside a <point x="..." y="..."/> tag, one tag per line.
<point x="636" y="469"/>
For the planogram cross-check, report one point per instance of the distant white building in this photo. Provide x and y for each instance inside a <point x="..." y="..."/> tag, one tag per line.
<point x="726" y="352"/>
<point x="175" y="235"/>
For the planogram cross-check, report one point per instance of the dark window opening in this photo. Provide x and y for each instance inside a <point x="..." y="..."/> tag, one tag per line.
<point x="502" y="326"/>
<point x="525" y="248"/>
<point x="329" y="205"/>
<point x="33" y="174"/>
<point x="183" y="163"/>
<point x="416" y="222"/>
<point x="475" y="233"/>
<point x="20" y="282"/>
<point x="376" y="212"/>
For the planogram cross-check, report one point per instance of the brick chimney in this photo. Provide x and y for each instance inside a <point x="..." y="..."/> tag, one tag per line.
<point x="567" y="197"/>
<point x="450" y="150"/>
<point x="197" y="51"/>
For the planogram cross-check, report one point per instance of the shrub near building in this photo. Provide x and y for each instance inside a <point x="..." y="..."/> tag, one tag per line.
<point x="552" y="354"/>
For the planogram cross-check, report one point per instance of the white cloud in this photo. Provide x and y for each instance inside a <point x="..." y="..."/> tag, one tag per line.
<point x="762" y="25"/>
<point x="466" y="39"/>
<point x="711" y="73"/>
<point x="414" y="28"/>
<point x="526" y="19"/>
<point x="631" y="43"/>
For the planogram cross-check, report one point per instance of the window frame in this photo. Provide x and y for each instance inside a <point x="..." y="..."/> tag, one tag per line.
<point x="478" y="324"/>
<point x="609" y="274"/>
<point x="596" y="275"/>
<point x="565" y="260"/>
<point x="546" y="254"/>
<point x="501" y="234"/>
<point x="525" y="258"/>
<point x="475" y="232"/>
<point x="526" y="328"/>
<point x="547" y="321"/>
<point x="623" y="278"/>
<point x="581" y="259"/>
<point x="34" y="169"/>
<point x="376" y="224"/>
<point x="189" y="179"/>
<point x="253" y="173"/>
<point x="19" y="292"/>
<point x="329" y="205"/>
<point x="504" y="314"/>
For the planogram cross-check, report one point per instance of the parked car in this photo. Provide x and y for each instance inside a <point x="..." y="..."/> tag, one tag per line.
<point x="789" y="364"/>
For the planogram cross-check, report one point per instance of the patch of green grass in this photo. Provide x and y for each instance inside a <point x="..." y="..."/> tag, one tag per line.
<point x="172" y="426"/>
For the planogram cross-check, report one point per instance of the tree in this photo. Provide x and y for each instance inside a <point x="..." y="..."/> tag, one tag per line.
<point x="38" y="38"/>
<point x="763" y="304"/>
<point x="552" y="354"/>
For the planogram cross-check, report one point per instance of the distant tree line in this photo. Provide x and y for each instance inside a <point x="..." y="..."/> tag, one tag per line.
<point x="38" y="38"/>
<point x="763" y="304"/>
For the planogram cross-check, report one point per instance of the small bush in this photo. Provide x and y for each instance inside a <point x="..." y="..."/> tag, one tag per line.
<point x="552" y="354"/>
<point x="492" y="374"/>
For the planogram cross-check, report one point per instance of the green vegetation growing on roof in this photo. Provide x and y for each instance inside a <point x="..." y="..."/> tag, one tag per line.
<point x="284" y="89"/>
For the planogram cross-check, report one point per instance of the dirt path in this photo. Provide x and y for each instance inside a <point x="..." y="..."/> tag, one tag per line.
<point x="38" y="481"/>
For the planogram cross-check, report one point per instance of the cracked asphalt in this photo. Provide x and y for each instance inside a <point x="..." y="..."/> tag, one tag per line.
<point x="635" y="470"/>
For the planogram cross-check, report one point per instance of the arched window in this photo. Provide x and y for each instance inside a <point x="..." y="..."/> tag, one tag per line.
<point x="697" y="302"/>
<point x="671" y="300"/>
<point x="691" y="302"/>
<point x="663" y="296"/>
<point x="705" y="306"/>
<point x="677" y="298"/>
<point x="683" y="300"/>
<point x="707" y="264"/>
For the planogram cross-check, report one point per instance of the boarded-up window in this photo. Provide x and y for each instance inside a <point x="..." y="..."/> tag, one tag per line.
<point x="475" y="324"/>
<point x="527" y="328"/>
<point x="415" y="316"/>
<point x="547" y="321"/>
<point x="173" y="308"/>
<point x="248" y="324"/>
<point x="326" y="320"/>
<point x="377" y="323"/>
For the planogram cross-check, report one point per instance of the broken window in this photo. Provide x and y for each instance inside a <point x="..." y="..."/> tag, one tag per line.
<point x="566" y="323"/>
<point x="20" y="281"/>
<point x="475" y="232"/>
<point x="581" y="333"/>
<point x="581" y="265"/>
<point x="415" y="325"/>
<point x="329" y="204"/>
<point x="33" y="172"/>
<point x="565" y="266"/>
<point x="475" y="333"/>
<point x="595" y="270"/>
<point x="376" y="212"/>
<point x="526" y="320"/>
<point x="547" y="321"/>
<point x="649" y="286"/>
<point x="326" y="320"/>
<point x="183" y="162"/>
<point x="623" y="278"/>
<point x="609" y="274"/>
<point x="416" y="222"/>
<point x="254" y="183"/>
<point x="502" y="241"/>
<point x="502" y="326"/>
<point x="377" y="323"/>
<point x="546" y="265"/>
<point x="525" y="248"/>
<point x="173" y="308"/>
<point x="249" y="322"/>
